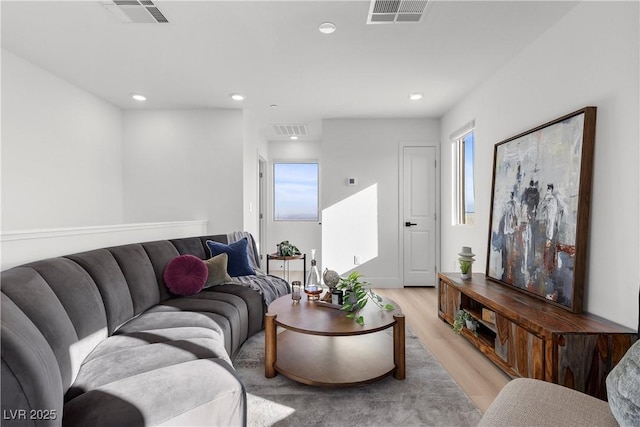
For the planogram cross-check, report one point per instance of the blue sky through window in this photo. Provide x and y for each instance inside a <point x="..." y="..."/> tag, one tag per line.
<point x="469" y="197"/>
<point x="295" y="191"/>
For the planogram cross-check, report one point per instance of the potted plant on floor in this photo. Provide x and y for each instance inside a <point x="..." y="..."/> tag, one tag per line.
<point x="356" y="295"/>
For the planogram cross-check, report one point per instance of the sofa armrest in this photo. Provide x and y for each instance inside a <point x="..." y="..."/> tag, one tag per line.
<point x="529" y="402"/>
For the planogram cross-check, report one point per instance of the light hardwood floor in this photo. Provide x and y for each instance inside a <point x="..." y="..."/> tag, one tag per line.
<point x="480" y="379"/>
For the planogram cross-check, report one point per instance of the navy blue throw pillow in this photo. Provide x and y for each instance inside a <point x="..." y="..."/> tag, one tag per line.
<point x="238" y="263"/>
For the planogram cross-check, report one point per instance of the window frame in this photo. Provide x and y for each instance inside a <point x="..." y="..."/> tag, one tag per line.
<point x="275" y="163"/>
<point x="460" y="216"/>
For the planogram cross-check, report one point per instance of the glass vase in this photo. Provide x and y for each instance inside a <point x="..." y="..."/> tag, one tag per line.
<point x="312" y="287"/>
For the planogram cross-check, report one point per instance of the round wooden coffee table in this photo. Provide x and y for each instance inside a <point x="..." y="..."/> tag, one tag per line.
<point x="321" y="346"/>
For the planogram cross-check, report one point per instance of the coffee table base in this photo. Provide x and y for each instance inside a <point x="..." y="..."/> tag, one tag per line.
<point x="334" y="361"/>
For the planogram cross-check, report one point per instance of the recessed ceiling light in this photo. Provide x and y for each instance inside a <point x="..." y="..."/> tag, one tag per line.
<point x="273" y="105"/>
<point x="327" y="28"/>
<point x="237" y="97"/>
<point x="415" y="96"/>
<point x="293" y="137"/>
<point x="138" y="97"/>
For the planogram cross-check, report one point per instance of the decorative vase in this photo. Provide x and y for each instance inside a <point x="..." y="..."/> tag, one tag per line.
<point x="351" y="298"/>
<point x="466" y="259"/>
<point x="312" y="287"/>
<point x="471" y="325"/>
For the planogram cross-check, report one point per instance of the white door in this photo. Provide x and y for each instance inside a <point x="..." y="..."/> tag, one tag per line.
<point x="419" y="215"/>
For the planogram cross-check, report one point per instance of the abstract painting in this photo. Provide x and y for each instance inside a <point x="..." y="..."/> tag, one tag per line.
<point x="540" y="209"/>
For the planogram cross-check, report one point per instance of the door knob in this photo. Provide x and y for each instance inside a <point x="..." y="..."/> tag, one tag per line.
<point x="409" y="224"/>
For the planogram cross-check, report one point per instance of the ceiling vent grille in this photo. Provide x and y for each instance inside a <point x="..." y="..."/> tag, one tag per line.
<point x="290" y="129"/>
<point x="135" y="11"/>
<point x="396" y="11"/>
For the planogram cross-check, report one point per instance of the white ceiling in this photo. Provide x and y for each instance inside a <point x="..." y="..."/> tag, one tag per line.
<point x="272" y="52"/>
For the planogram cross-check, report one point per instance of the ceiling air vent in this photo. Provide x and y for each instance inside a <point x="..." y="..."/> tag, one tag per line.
<point x="396" y="11"/>
<point x="135" y="11"/>
<point x="290" y="130"/>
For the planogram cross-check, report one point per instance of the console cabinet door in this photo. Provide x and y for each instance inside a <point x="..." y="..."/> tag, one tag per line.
<point x="449" y="301"/>
<point x="520" y="349"/>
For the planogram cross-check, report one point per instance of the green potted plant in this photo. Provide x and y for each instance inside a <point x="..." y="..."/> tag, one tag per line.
<point x="287" y="249"/>
<point x="356" y="295"/>
<point x="464" y="318"/>
<point x="465" y="269"/>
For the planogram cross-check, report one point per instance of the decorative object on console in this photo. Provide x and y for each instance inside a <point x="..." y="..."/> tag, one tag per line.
<point x="287" y="249"/>
<point x="238" y="262"/>
<point x="488" y="316"/>
<point x="356" y="295"/>
<point x="185" y="275"/>
<point x="540" y="209"/>
<point x="466" y="260"/>
<point x="312" y="287"/>
<point x="217" y="267"/>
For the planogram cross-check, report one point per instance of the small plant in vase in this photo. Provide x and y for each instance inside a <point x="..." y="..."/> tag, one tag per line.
<point x="357" y="294"/>
<point x="465" y="269"/>
<point x="287" y="249"/>
<point x="466" y="260"/>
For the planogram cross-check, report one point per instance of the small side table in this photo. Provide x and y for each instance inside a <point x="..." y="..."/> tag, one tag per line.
<point x="286" y="260"/>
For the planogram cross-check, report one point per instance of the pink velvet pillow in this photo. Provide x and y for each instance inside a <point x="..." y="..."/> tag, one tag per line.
<point x="185" y="275"/>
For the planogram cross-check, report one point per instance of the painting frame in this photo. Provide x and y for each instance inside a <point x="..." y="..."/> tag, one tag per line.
<point x="540" y="206"/>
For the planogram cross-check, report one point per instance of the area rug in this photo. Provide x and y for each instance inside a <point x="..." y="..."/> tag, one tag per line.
<point x="427" y="397"/>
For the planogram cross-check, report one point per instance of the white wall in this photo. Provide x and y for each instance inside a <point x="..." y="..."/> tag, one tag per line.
<point x="25" y="246"/>
<point x="61" y="152"/>
<point x="184" y="165"/>
<point x="254" y="147"/>
<point x="367" y="149"/>
<point x="305" y="235"/>
<point x="62" y="169"/>
<point x="590" y="57"/>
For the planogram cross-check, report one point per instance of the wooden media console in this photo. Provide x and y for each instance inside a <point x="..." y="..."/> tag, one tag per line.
<point x="527" y="337"/>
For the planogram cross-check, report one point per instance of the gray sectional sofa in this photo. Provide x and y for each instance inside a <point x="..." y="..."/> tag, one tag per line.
<point x="96" y="339"/>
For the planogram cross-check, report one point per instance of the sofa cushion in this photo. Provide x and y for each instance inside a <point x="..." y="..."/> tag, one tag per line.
<point x="166" y="395"/>
<point x="238" y="263"/>
<point x="106" y="273"/>
<point x="30" y="373"/>
<point x="623" y="385"/>
<point x="217" y="267"/>
<point x="139" y="274"/>
<point x="230" y="307"/>
<point x="28" y="290"/>
<point x="185" y="275"/>
<point x="191" y="246"/>
<point x="160" y="253"/>
<point x="113" y="363"/>
<point x="256" y="306"/>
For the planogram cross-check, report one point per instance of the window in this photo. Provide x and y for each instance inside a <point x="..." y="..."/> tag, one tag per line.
<point x="463" y="183"/>
<point x="295" y="191"/>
